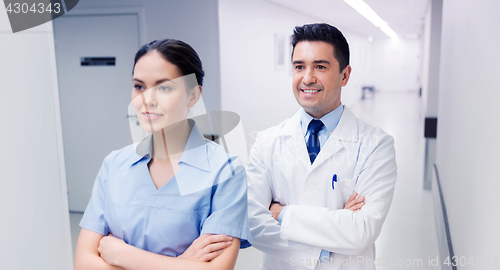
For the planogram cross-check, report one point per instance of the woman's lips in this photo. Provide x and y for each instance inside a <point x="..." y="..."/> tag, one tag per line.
<point x="151" y="116"/>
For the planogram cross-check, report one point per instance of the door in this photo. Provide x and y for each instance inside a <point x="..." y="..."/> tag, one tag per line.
<point x="94" y="55"/>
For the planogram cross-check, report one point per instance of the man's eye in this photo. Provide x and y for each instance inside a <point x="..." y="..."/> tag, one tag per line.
<point x="299" y="67"/>
<point x="321" y="67"/>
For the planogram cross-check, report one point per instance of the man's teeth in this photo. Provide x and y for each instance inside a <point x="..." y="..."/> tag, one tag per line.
<point x="152" y="114"/>
<point x="310" y="91"/>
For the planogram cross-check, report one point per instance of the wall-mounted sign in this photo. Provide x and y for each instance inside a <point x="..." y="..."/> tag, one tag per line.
<point x="97" y="61"/>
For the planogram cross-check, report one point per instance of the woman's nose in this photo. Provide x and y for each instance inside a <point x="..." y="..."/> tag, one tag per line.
<point x="150" y="97"/>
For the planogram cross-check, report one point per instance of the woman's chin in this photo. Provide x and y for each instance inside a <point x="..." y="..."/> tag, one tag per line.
<point x="152" y="128"/>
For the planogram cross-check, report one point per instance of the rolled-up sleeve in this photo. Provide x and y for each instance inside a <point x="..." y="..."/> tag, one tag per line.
<point x="228" y="213"/>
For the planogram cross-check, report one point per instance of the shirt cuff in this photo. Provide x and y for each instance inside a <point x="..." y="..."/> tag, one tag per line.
<point x="324" y="255"/>
<point x="282" y="213"/>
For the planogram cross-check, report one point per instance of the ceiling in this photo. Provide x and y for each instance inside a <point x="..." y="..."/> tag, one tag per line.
<point x="405" y="17"/>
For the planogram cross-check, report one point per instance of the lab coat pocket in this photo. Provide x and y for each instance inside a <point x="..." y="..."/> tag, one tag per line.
<point x="347" y="188"/>
<point x="339" y="193"/>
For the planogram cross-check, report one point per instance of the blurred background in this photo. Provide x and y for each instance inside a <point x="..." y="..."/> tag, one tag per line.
<point x="425" y="71"/>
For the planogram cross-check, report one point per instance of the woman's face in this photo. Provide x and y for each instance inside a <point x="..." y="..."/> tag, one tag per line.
<point x="159" y="96"/>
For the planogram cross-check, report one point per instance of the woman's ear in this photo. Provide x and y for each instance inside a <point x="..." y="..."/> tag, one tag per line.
<point x="195" y="95"/>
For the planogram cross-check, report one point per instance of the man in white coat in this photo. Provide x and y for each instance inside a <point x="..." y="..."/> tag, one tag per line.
<point x="305" y="174"/>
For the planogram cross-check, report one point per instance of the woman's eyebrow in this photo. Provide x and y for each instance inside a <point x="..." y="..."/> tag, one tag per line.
<point x="157" y="82"/>
<point x="163" y="80"/>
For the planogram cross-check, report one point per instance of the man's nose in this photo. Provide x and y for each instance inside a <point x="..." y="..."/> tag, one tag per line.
<point x="309" y="77"/>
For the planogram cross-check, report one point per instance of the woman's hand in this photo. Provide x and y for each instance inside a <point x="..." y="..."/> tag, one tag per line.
<point x="207" y="247"/>
<point x="110" y="248"/>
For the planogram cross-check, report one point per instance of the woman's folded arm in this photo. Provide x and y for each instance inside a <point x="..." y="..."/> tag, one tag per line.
<point x="86" y="256"/>
<point x="131" y="258"/>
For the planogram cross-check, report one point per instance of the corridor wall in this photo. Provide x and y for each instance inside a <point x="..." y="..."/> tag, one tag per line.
<point x="468" y="142"/>
<point x="34" y="230"/>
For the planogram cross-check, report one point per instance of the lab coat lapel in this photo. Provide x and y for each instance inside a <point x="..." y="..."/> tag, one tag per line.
<point x="346" y="131"/>
<point x="295" y="142"/>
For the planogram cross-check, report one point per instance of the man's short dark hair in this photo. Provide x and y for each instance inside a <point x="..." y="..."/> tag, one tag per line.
<point x="326" y="33"/>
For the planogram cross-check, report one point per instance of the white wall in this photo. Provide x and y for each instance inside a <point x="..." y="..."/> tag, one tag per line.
<point x="251" y="84"/>
<point x="194" y="22"/>
<point x="34" y="231"/>
<point x="395" y="64"/>
<point x="469" y="126"/>
<point x="431" y="57"/>
<point x="430" y="66"/>
<point x="425" y="50"/>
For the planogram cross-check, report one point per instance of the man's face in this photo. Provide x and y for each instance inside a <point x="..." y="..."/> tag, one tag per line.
<point x="316" y="77"/>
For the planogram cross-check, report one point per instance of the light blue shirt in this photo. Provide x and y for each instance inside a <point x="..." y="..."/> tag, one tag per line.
<point x="207" y="195"/>
<point x="330" y="122"/>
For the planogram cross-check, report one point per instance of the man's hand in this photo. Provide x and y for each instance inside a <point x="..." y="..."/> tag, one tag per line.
<point x="207" y="247"/>
<point x="355" y="204"/>
<point x="275" y="209"/>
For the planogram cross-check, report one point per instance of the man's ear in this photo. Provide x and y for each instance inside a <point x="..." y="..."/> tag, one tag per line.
<point x="195" y="95"/>
<point x="346" y="74"/>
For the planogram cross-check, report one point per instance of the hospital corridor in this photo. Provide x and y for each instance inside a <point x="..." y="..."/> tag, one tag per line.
<point x="84" y="86"/>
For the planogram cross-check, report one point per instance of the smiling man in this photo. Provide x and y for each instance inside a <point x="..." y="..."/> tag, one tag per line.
<point x="320" y="183"/>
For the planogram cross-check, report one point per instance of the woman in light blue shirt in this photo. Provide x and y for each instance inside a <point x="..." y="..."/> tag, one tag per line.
<point x="174" y="200"/>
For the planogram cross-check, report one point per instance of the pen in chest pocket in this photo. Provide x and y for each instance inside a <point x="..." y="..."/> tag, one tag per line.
<point x="334" y="179"/>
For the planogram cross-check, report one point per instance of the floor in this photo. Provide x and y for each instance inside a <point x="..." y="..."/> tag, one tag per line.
<point x="408" y="237"/>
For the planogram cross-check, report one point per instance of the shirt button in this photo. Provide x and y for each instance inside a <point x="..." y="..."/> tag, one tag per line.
<point x="311" y="188"/>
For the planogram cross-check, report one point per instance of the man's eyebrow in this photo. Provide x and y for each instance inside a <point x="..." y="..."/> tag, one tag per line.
<point x="321" y="62"/>
<point x="315" y="62"/>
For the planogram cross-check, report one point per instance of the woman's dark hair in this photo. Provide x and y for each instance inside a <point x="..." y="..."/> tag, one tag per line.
<point x="326" y="33"/>
<point x="178" y="53"/>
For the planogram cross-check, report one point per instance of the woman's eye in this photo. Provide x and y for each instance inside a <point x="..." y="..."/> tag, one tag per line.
<point x="164" y="88"/>
<point x="138" y="87"/>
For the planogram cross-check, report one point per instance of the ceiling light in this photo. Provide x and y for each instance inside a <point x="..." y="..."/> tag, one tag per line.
<point x="367" y="12"/>
<point x="388" y="31"/>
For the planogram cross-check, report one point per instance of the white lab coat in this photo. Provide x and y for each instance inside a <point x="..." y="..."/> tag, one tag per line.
<point x="279" y="169"/>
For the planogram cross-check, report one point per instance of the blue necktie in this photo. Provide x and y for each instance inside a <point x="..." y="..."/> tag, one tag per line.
<point x="312" y="144"/>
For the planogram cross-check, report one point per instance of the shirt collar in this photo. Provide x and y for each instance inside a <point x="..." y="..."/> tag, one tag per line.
<point x="195" y="152"/>
<point x="330" y="120"/>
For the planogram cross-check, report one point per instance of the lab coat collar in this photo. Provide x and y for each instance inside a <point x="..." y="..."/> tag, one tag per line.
<point x="342" y="137"/>
<point x="347" y="129"/>
<point x="296" y="143"/>
<point x="345" y="132"/>
<point x="195" y="153"/>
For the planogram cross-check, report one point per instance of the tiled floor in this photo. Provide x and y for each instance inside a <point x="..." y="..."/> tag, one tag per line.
<point x="409" y="235"/>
